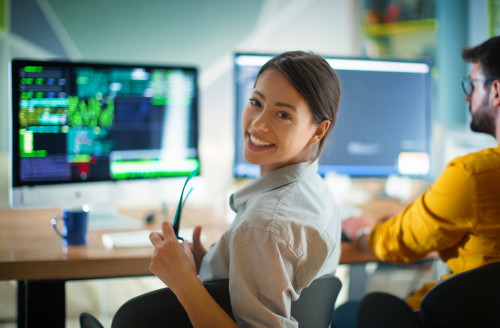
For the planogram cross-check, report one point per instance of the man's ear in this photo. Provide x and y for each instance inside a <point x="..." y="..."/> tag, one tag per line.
<point x="495" y="93"/>
<point x="320" y="132"/>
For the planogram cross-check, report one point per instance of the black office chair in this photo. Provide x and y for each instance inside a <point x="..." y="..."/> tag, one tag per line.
<point x="313" y="309"/>
<point x="468" y="299"/>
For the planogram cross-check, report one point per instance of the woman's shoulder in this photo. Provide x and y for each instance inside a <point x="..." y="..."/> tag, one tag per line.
<point x="295" y="206"/>
<point x="311" y="196"/>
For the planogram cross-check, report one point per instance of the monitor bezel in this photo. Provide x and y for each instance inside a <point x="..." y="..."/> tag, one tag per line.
<point x="14" y="93"/>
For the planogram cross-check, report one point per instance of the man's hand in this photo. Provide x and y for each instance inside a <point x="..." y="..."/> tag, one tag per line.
<point x="355" y="224"/>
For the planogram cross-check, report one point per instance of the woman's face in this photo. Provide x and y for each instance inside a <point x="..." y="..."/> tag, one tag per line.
<point x="278" y="125"/>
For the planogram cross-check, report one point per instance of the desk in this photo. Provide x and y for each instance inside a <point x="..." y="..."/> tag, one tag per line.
<point x="32" y="254"/>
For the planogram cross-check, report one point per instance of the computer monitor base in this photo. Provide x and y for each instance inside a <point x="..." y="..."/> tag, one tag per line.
<point x="108" y="218"/>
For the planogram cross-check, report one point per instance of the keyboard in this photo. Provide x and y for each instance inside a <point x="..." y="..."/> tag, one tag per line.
<point x="138" y="238"/>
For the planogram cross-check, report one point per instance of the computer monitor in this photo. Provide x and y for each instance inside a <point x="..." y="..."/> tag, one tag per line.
<point x="79" y="129"/>
<point x="383" y="126"/>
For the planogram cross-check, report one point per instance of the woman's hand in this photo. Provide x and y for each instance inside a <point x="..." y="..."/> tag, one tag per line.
<point x="172" y="263"/>
<point x="175" y="265"/>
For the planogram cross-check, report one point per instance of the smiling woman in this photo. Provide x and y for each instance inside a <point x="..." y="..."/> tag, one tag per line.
<point x="278" y="124"/>
<point x="287" y="229"/>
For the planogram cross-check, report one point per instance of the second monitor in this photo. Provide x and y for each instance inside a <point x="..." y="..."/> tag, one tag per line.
<point x="383" y="125"/>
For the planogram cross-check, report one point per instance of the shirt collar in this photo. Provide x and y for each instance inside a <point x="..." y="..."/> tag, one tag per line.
<point x="272" y="180"/>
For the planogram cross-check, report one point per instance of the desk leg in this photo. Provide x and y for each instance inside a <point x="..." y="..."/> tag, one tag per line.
<point x="41" y="303"/>
<point x="357" y="281"/>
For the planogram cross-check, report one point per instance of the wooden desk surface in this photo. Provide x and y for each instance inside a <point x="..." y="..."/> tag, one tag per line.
<point x="31" y="250"/>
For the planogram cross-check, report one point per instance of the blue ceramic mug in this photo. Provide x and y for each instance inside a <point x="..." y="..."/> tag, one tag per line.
<point x="74" y="226"/>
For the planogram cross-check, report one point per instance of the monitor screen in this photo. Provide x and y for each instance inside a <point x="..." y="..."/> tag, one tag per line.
<point x="78" y="123"/>
<point x="383" y="123"/>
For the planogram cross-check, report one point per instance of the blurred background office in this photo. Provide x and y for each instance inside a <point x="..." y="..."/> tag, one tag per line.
<point x="206" y="34"/>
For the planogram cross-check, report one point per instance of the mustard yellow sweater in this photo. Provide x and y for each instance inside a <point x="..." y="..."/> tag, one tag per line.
<point x="459" y="216"/>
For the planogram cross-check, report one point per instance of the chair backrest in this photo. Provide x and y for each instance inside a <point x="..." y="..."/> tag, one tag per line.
<point x="160" y="308"/>
<point x="471" y="299"/>
<point x="315" y="306"/>
<point x="383" y="310"/>
<point x="87" y="320"/>
<point x="468" y="299"/>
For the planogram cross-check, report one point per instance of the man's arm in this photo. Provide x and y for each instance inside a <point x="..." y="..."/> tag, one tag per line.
<point x="435" y="221"/>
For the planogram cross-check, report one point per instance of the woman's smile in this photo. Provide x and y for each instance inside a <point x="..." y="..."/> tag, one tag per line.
<point x="257" y="144"/>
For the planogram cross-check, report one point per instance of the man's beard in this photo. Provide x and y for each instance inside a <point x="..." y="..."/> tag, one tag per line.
<point x="483" y="120"/>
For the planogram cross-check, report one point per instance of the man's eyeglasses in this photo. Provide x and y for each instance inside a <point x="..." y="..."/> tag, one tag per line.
<point x="468" y="85"/>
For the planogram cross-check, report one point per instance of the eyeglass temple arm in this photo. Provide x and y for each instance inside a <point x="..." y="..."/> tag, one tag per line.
<point x="180" y="205"/>
<point x="179" y="213"/>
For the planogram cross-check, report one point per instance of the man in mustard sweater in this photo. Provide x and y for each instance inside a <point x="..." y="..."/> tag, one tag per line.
<point x="459" y="216"/>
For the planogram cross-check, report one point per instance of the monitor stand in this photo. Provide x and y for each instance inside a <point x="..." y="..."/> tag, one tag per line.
<point x="106" y="217"/>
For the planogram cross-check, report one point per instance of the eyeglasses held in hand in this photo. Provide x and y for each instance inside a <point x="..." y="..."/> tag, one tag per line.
<point x="468" y="85"/>
<point x="182" y="201"/>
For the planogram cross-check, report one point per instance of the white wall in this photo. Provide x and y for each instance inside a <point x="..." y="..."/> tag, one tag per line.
<point x="198" y="32"/>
